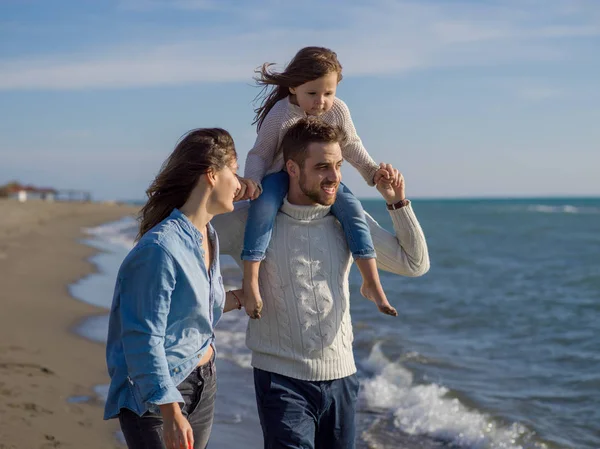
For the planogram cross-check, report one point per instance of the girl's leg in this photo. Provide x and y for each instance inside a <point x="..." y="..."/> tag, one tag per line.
<point x="349" y="212"/>
<point x="259" y="227"/>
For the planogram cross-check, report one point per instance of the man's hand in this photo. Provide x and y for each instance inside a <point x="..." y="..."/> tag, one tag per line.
<point x="249" y="190"/>
<point x="391" y="186"/>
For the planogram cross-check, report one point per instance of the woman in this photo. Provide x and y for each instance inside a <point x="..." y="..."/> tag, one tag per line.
<point x="168" y="297"/>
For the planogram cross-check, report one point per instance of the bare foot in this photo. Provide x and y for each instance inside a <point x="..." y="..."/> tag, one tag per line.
<point x="253" y="303"/>
<point x="377" y="295"/>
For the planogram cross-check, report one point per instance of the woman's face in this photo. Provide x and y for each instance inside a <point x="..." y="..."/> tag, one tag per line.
<point x="225" y="189"/>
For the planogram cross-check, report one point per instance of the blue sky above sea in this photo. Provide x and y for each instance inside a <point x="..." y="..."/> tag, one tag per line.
<point x="467" y="98"/>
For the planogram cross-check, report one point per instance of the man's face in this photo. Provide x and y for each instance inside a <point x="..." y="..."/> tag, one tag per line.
<point x="320" y="177"/>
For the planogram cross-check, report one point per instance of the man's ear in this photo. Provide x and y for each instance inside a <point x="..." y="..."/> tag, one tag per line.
<point x="292" y="168"/>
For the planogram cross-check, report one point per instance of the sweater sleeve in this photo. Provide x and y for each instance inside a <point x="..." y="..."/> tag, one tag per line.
<point x="353" y="149"/>
<point x="406" y="252"/>
<point x="261" y="156"/>
<point x="230" y="229"/>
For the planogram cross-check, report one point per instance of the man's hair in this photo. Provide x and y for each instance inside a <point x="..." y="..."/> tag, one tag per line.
<point x="306" y="131"/>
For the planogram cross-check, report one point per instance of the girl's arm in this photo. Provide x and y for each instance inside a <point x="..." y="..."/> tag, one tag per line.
<point x="261" y="156"/>
<point x="353" y="149"/>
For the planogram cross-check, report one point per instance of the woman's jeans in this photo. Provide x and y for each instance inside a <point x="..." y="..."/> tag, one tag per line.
<point x="198" y="391"/>
<point x="263" y="210"/>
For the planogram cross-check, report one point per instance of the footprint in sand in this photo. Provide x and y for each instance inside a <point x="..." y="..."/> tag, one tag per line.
<point x="51" y="441"/>
<point x="33" y="409"/>
<point x="26" y="368"/>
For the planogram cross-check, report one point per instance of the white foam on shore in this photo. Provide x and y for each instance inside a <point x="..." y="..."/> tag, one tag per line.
<point x="121" y="232"/>
<point x="428" y="410"/>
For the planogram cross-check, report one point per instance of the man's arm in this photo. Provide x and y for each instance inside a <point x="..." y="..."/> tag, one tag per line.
<point x="406" y="252"/>
<point x="230" y="228"/>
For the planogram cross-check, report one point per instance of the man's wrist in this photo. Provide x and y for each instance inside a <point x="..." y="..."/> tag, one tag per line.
<point x="398" y="204"/>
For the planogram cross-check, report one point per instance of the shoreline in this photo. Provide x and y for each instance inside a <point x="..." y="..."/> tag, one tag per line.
<point x="43" y="362"/>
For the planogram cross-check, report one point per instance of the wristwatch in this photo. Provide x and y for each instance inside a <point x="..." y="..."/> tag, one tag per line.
<point x="400" y="204"/>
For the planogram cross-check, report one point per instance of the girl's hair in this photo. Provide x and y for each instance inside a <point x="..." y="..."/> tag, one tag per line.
<point x="309" y="64"/>
<point x="197" y="152"/>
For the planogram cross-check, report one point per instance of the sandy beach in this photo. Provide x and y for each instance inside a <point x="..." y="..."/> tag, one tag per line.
<point x="42" y="363"/>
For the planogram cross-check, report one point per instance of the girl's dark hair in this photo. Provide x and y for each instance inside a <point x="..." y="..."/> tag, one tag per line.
<point x="309" y="64"/>
<point x="197" y="152"/>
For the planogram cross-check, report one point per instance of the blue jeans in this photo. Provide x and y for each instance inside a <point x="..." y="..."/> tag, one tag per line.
<point x="263" y="210"/>
<point x="199" y="392"/>
<point x="298" y="414"/>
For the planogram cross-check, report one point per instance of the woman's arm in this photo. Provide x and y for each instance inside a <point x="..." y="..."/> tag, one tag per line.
<point x="234" y="300"/>
<point x="146" y="283"/>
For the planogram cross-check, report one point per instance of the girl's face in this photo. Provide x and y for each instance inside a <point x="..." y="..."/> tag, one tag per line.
<point x="316" y="97"/>
<point x="225" y="189"/>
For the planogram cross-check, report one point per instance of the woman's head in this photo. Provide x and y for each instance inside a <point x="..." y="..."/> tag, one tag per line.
<point x="311" y="77"/>
<point x="203" y="156"/>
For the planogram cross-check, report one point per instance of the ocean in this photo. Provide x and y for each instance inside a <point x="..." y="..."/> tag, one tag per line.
<point x="497" y="347"/>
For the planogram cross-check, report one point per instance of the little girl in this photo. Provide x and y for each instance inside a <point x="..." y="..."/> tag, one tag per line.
<point x="307" y="86"/>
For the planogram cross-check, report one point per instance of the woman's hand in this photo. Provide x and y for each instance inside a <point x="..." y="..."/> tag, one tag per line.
<point x="177" y="431"/>
<point x="249" y="190"/>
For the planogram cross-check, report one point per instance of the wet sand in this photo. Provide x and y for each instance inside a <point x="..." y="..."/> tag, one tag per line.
<point x="42" y="363"/>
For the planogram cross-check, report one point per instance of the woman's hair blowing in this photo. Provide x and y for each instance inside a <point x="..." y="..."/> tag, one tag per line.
<point x="198" y="152"/>
<point x="309" y="64"/>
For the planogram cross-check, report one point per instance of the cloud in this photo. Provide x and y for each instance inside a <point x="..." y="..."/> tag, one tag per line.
<point x="384" y="38"/>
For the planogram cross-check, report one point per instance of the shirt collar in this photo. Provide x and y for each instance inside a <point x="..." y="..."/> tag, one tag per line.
<point x="187" y="225"/>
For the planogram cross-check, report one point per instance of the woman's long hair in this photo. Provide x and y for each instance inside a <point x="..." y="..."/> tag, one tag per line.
<point x="197" y="152"/>
<point x="309" y="64"/>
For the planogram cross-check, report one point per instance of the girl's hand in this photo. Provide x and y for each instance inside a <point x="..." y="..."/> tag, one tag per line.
<point x="387" y="175"/>
<point x="249" y="190"/>
<point x="381" y="175"/>
<point x="177" y="431"/>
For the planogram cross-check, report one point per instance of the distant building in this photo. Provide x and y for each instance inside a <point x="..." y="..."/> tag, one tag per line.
<point x="23" y="193"/>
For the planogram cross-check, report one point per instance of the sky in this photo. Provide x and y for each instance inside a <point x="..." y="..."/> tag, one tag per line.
<point x="469" y="98"/>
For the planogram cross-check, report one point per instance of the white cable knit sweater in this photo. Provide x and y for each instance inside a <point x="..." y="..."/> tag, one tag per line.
<point x="266" y="158"/>
<point x="305" y="331"/>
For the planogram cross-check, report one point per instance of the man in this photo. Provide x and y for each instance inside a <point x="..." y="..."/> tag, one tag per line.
<point x="304" y="372"/>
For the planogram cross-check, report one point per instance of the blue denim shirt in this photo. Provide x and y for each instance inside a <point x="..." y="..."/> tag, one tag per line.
<point x="164" y="310"/>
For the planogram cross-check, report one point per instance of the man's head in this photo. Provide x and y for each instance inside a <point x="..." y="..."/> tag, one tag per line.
<point x="313" y="158"/>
